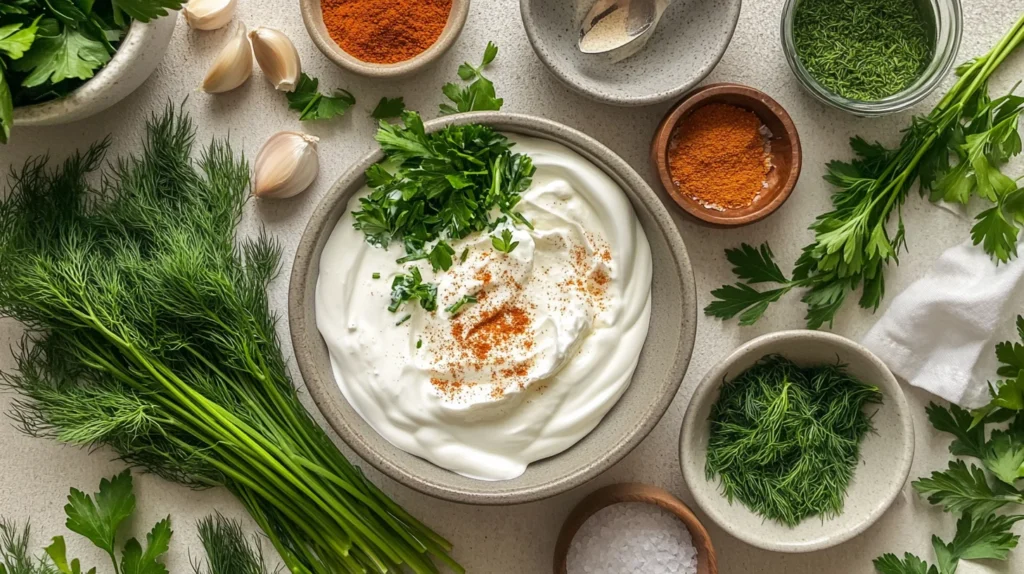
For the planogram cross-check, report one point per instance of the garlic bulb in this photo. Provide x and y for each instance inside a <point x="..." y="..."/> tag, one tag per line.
<point x="209" y="14"/>
<point x="232" y="66"/>
<point x="286" y="165"/>
<point x="277" y="57"/>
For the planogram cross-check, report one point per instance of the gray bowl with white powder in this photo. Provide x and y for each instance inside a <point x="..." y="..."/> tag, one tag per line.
<point x="689" y="42"/>
<point x="662" y="363"/>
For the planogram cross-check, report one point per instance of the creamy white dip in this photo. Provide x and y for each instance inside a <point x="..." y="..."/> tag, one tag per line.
<point x="535" y="364"/>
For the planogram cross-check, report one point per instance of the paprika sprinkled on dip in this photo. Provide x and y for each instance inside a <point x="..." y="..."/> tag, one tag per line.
<point x="529" y="338"/>
<point x="720" y="156"/>
<point x="385" y="31"/>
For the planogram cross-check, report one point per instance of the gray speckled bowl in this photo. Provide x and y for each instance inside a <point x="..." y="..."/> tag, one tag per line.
<point x="662" y="365"/>
<point x="886" y="455"/>
<point x="135" y="60"/>
<point x="688" y="43"/>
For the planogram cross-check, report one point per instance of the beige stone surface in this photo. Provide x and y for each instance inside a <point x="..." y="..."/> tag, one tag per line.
<point x="35" y="474"/>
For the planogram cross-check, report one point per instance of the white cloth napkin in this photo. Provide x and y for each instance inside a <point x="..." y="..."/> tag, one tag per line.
<point x="940" y="334"/>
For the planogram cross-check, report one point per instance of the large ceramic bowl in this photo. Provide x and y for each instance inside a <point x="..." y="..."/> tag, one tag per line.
<point x="688" y="43"/>
<point x="662" y="365"/>
<point x="136" y="59"/>
<point x="886" y="454"/>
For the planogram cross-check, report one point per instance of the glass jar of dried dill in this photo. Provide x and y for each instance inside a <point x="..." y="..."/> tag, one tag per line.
<point x="871" y="57"/>
<point x="785" y="439"/>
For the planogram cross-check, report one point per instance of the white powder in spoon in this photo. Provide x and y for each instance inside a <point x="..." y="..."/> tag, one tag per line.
<point x="607" y="34"/>
<point x="632" y="537"/>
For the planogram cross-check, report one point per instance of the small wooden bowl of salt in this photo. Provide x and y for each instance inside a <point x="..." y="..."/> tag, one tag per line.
<point x="729" y="155"/>
<point x="634" y="528"/>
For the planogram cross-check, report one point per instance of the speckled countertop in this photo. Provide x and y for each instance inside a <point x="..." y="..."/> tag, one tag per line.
<point x="35" y="474"/>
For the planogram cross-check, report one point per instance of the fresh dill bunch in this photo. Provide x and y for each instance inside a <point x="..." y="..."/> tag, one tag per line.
<point x="227" y="550"/>
<point x="149" y="331"/>
<point x="862" y="49"/>
<point x="785" y="440"/>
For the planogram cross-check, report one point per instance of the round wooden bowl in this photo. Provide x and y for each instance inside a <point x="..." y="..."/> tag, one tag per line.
<point x="707" y="560"/>
<point x="786" y="153"/>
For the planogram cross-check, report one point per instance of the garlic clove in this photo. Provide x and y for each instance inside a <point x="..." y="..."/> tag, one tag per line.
<point x="277" y="57"/>
<point x="232" y="66"/>
<point x="209" y="14"/>
<point x="286" y="165"/>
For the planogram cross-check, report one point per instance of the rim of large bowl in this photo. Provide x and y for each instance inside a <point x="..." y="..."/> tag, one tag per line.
<point x="307" y="255"/>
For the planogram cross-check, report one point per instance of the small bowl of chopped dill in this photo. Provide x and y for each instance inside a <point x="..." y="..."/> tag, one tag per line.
<point x="798" y="441"/>
<point x="871" y="57"/>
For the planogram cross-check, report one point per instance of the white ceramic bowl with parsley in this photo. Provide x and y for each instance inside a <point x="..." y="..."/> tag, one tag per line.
<point x="137" y="57"/>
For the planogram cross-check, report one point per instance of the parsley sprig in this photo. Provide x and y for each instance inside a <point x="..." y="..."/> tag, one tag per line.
<point x="312" y="105"/>
<point x="981" y="494"/>
<point x="388" y="108"/>
<point x="955" y="152"/>
<point x="479" y="95"/>
<point x="504" y="243"/>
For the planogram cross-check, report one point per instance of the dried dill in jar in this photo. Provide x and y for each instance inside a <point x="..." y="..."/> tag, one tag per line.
<point x="862" y="49"/>
<point x="785" y="440"/>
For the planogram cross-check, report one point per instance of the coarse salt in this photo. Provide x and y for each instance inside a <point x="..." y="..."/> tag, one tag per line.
<point x="632" y="537"/>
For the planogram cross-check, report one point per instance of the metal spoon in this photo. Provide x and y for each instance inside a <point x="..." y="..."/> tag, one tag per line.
<point x="625" y="26"/>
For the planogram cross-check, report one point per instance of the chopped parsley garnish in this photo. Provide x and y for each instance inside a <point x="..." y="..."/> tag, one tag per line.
<point x="411" y="287"/>
<point x="376" y="275"/>
<point x="458" y="305"/>
<point x="403" y="320"/>
<point x="465" y="253"/>
<point x="479" y="95"/>
<point x="504" y="243"/>
<point x="419" y="343"/>
<point x="438" y="187"/>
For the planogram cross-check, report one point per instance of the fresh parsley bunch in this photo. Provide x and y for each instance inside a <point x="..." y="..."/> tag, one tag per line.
<point x="50" y="47"/>
<point x="979" y="493"/>
<point x="955" y="152"/>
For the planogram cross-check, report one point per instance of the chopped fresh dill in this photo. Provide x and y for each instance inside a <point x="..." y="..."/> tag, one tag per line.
<point x="785" y="440"/>
<point x="862" y="49"/>
<point x="454" y="308"/>
<point x="403" y="320"/>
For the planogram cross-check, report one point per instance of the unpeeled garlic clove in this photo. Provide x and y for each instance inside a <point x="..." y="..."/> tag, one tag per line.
<point x="286" y="165"/>
<point x="232" y="66"/>
<point x="209" y="14"/>
<point x="277" y="57"/>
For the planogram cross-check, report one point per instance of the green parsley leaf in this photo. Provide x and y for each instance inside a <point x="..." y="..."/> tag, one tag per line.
<point x="1011" y="355"/>
<point x="16" y="39"/>
<point x="406" y="288"/>
<point x="146" y="10"/>
<point x="480" y="94"/>
<point x="970" y="439"/>
<point x="98" y="521"/>
<point x="59" y="53"/>
<point x="1004" y="456"/>
<point x="135" y="560"/>
<point x="987" y="537"/>
<point x="743" y="300"/>
<point x="504" y="243"/>
<point x="66" y="11"/>
<point x="910" y="564"/>
<point x="441" y="256"/>
<point x="57" y="551"/>
<point x="454" y="308"/>
<point x="312" y="105"/>
<point x="389" y="108"/>
<point x="755" y="265"/>
<point x="960" y="489"/>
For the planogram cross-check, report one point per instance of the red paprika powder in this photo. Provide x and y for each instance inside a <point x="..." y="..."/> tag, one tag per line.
<point x="385" y="31"/>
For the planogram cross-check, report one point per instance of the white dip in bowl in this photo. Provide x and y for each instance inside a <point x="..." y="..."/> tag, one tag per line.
<point x="528" y="369"/>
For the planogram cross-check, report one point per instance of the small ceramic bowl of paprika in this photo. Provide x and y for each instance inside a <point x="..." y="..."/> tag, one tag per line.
<point x="783" y="151"/>
<point x="380" y="52"/>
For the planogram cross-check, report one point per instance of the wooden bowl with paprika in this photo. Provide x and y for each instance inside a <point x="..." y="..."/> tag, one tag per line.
<point x="729" y="155"/>
<point x="384" y="39"/>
